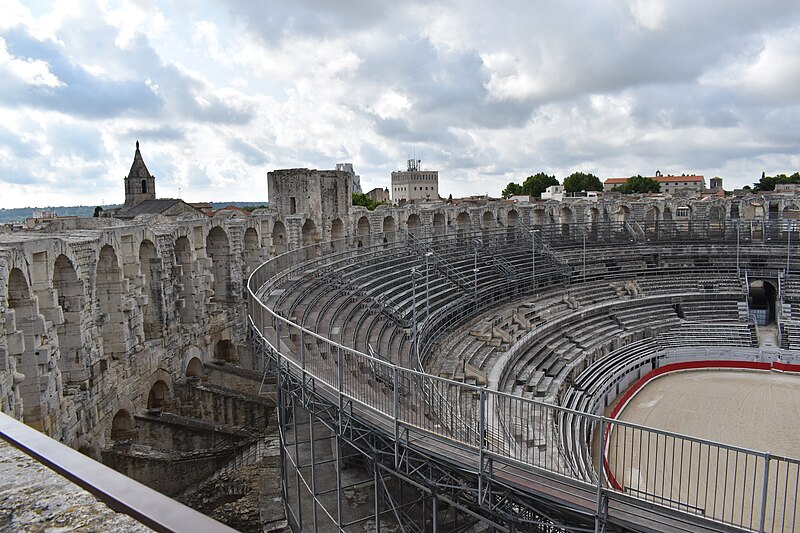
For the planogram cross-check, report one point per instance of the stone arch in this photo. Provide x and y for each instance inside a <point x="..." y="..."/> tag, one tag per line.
<point x="565" y="217"/>
<point x="122" y="426"/>
<point x="362" y="231"/>
<point x="439" y="225"/>
<point x="310" y="234"/>
<point x="224" y="350"/>
<point x="463" y="224"/>
<point x="539" y="217"/>
<point x="26" y="318"/>
<point x="278" y="238"/>
<point x="310" y="237"/>
<point x="511" y="218"/>
<point x="667" y="213"/>
<point x="151" y="270"/>
<point x="734" y="212"/>
<point x="194" y="368"/>
<point x="109" y="288"/>
<point x="251" y="246"/>
<point x="70" y="297"/>
<point x="219" y="250"/>
<point x="774" y="211"/>
<point x="389" y="229"/>
<point x="413" y="224"/>
<point x="651" y="218"/>
<point x="184" y="267"/>
<point x="337" y="235"/>
<point x="160" y="395"/>
<point x="488" y="221"/>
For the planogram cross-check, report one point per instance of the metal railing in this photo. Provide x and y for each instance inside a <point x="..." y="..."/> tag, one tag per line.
<point x="726" y="484"/>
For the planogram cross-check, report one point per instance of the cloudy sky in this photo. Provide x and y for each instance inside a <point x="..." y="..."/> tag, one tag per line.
<point x="221" y="92"/>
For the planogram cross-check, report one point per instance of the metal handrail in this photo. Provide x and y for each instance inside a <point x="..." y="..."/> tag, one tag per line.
<point x="397" y="416"/>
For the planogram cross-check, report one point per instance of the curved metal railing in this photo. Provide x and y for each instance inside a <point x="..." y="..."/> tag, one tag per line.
<point x="520" y="431"/>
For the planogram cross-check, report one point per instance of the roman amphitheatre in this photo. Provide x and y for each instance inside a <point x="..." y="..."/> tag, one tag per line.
<point x="422" y="368"/>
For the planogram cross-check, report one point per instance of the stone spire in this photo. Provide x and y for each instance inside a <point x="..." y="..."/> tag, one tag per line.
<point x="140" y="185"/>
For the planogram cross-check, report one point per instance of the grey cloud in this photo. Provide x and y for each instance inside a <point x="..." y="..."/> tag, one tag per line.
<point x="81" y="93"/>
<point x="252" y="155"/>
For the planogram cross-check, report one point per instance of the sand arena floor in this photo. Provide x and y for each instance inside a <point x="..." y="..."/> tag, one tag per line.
<point x="749" y="409"/>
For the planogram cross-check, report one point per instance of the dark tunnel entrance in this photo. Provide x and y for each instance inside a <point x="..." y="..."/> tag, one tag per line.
<point x="762" y="301"/>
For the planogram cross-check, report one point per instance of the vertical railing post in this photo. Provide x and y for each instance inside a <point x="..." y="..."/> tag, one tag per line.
<point x="481" y="440"/>
<point x="764" y="488"/>
<point x="598" y="519"/>
<point x="396" y="416"/>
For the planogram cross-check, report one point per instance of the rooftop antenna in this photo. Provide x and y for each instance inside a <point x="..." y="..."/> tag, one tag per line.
<point x="179" y="192"/>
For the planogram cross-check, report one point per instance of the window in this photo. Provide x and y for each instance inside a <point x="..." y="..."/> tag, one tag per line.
<point x="144" y="186"/>
<point x="292" y="205"/>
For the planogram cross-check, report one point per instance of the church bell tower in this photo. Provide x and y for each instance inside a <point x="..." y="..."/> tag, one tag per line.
<point x="139" y="185"/>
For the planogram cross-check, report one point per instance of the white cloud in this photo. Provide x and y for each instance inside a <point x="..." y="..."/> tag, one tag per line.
<point x="222" y="92"/>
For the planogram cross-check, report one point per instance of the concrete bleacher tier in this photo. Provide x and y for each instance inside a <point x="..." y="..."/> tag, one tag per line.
<point x="556" y="339"/>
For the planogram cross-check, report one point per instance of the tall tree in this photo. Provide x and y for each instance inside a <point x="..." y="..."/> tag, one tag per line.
<point x="767" y="183"/>
<point x="640" y="184"/>
<point x="512" y="189"/>
<point x="535" y="185"/>
<point x="578" y="181"/>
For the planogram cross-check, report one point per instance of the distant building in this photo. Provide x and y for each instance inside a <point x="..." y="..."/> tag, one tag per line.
<point x="553" y="192"/>
<point x="415" y="184"/>
<point x="787" y="187"/>
<point x="303" y="190"/>
<point x="140" y="195"/>
<point x="716" y="183"/>
<point x="355" y="178"/>
<point x="379" y="195"/>
<point x="669" y="184"/>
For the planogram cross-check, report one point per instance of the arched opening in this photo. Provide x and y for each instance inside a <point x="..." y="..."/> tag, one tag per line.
<point x="337" y="235"/>
<point x="565" y="218"/>
<point x="278" y="238"/>
<point x="413" y="225"/>
<point x="159" y="396"/>
<point x="69" y="292"/>
<point x="487" y="221"/>
<point x="151" y="269"/>
<point x="310" y="238"/>
<point x="122" y="426"/>
<point x="439" y="225"/>
<point x="463" y="225"/>
<point x="195" y="368"/>
<point x="219" y="251"/>
<point x="774" y="211"/>
<point x="511" y="224"/>
<point x="362" y="232"/>
<point x="389" y="229"/>
<point x="225" y="351"/>
<point x="184" y="268"/>
<point x="761" y="300"/>
<point x="114" y="331"/>
<point x="539" y="217"/>
<point x="144" y="186"/>
<point x="512" y="218"/>
<point x="251" y="256"/>
<point x="26" y="317"/>
<point x="734" y="211"/>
